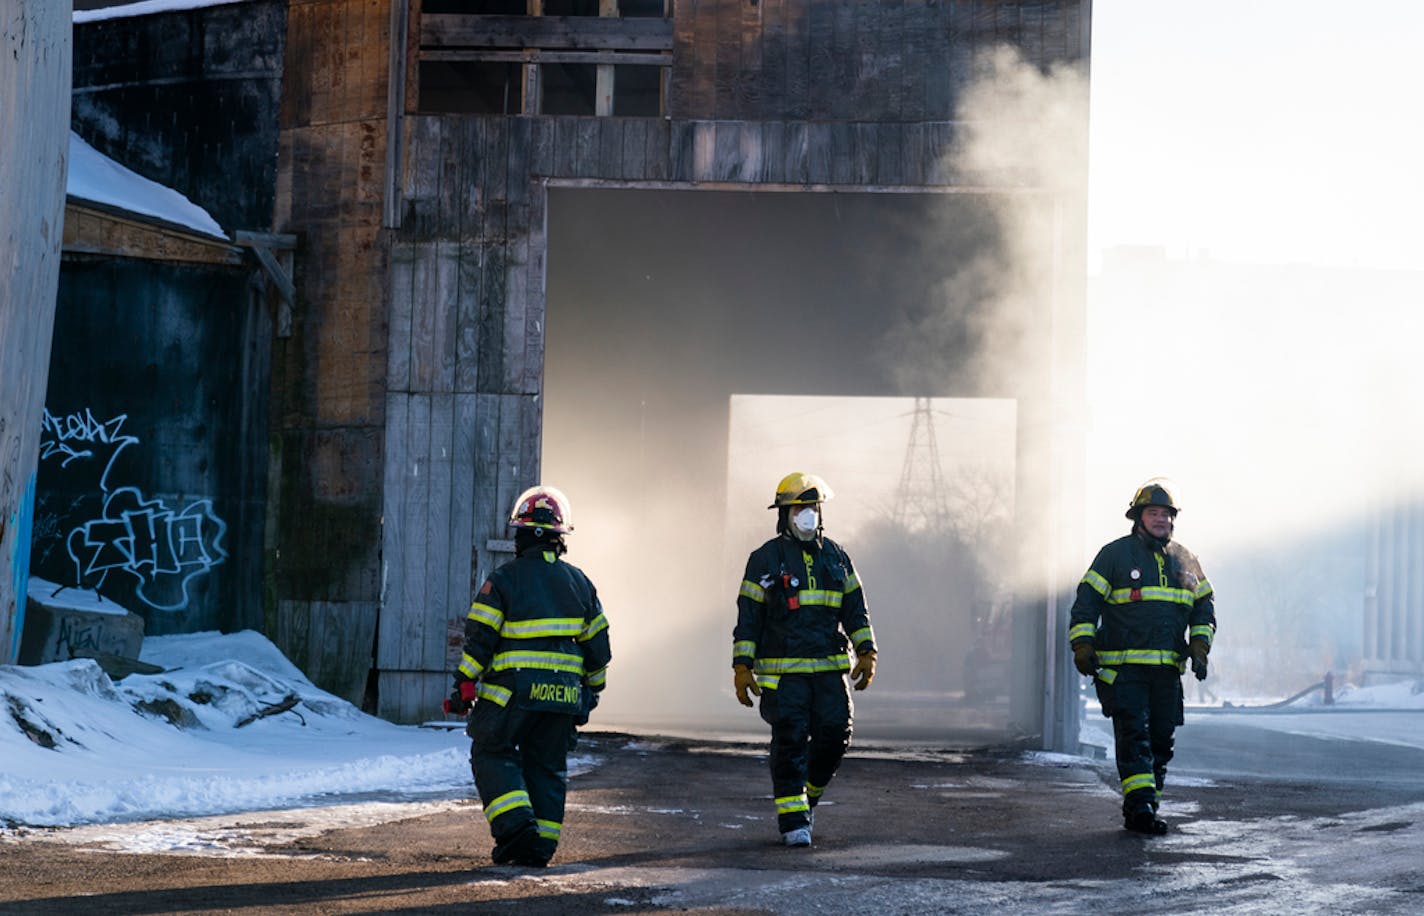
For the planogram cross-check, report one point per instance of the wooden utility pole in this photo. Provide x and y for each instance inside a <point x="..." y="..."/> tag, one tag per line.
<point x="34" y="151"/>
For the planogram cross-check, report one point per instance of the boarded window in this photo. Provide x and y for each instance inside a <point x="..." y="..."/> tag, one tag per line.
<point x="568" y="89"/>
<point x="631" y="8"/>
<point x="637" y="91"/>
<point x="471" y="87"/>
<point x="570" y="7"/>
<point x="477" y="7"/>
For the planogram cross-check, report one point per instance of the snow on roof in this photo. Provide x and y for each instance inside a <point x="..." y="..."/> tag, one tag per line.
<point x="97" y="178"/>
<point x="146" y="7"/>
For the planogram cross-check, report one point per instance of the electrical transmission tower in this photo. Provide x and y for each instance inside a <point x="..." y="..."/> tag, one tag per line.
<point x="920" y="501"/>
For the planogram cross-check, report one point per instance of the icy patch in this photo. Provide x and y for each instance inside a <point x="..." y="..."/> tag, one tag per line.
<point x="910" y="854"/>
<point x="234" y="836"/>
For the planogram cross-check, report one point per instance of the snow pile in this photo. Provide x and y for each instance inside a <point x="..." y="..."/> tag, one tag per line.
<point x="97" y="178"/>
<point x="145" y="8"/>
<point x="79" y="748"/>
<point x="1402" y="694"/>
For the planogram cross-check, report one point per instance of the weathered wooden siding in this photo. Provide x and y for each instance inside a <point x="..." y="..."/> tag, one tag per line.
<point x="329" y="376"/>
<point x="156" y="414"/>
<point x="34" y="122"/>
<point x="189" y="99"/>
<point x="413" y="379"/>
<point x="900" y="60"/>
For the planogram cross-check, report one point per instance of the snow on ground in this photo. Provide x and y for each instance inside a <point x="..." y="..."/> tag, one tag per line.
<point x="79" y="748"/>
<point x="97" y="178"/>
<point x="145" y="8"/>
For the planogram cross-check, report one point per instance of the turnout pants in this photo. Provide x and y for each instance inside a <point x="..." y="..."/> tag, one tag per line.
<point x="1146" y="703"/>
<point x="810" y="719"/>
<point x="519" y="760"/>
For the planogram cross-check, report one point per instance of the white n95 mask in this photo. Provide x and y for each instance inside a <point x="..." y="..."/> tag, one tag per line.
<point x="804" y="523"/>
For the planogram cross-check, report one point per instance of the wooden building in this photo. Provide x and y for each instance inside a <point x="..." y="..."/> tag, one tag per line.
<point x="34" y="130"/>
<point x="420" y="142"/>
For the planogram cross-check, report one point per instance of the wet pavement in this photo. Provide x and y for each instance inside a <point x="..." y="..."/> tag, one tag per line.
<point x="1263" y="821"/>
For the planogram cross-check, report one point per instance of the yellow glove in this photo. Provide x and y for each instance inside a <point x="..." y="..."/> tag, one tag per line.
<point x="864" y="671"/>
<point x="743" y="680"/>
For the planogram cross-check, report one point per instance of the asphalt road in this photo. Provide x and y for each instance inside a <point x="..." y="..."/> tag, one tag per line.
<point x="1263" y="822"/>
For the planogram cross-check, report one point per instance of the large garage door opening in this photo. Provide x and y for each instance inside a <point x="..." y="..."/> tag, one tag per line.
<point x="702" y="344"/>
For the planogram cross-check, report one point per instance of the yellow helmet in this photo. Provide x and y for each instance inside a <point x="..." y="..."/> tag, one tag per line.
<point x="542" y="507"/>
<point x="798" y="489"/>
<point x="1152" y="493"/>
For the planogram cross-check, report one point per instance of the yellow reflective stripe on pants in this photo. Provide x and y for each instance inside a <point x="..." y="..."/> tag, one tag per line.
<point x="1139" y="781"/>
<point x="549" y="830"/>
<point x="790" y="804"/>
<point x="506" y="803"/>
<point x="814" y="791"/>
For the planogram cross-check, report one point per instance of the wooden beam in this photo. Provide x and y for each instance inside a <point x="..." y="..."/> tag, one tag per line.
<point x="541" y="56"/>
<point x="583" y="33"/>
<point x="280" y="241"/>
<point x="96" y="229"/>
<point x="395" y="115"/>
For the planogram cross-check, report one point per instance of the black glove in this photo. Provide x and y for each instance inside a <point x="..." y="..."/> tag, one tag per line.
<point x="1085" y="659"/>
<point x="462" y="697"/>
<point x="1199" y="650"/>
<point x="587" y="705"/>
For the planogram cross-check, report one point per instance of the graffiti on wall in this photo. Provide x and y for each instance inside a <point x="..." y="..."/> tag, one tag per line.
<point x="159" y="548"/>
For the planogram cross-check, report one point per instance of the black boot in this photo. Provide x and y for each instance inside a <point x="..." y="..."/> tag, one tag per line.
<point x="518" y="847"/>
<point x="1145" y="820"/>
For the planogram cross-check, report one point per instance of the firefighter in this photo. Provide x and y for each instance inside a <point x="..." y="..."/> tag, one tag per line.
<point x="800" y="607"/>
<point x="535" y="659"/>
<point x="1143" y="594"/>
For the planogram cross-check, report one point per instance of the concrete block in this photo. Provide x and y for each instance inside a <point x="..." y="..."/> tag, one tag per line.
<point x="64" y="623"/>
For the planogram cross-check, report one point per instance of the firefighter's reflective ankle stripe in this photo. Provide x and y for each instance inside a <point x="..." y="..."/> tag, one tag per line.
<point x="507" y="803"/>
<point x="549" y="830"/>
<point x="814" y="791"/>
<point x="1139" y="781"/>
<point x="790" y="804"/>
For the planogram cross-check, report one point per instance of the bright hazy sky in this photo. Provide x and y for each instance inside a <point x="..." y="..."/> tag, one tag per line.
<point x="1276" y="131"/>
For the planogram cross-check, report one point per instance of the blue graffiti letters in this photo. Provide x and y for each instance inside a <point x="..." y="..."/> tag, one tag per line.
<point x="163" y="549"/>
